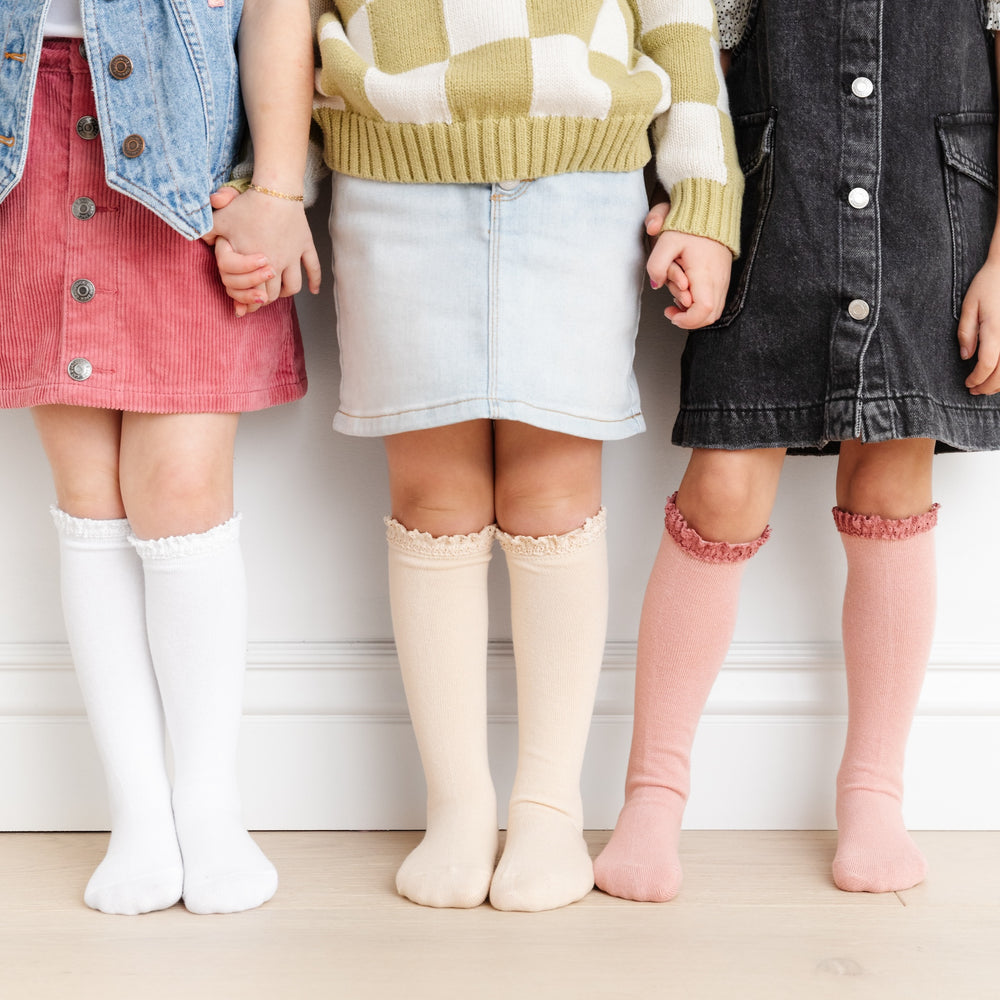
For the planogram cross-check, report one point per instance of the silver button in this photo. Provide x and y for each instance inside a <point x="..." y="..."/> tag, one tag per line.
<point x="87" y="128"/>
<point x="859" y="198"/>
<point x="84" y="208"/>
<point x="859" y="309"/>
<point x="82" y="290"/>
<point x="80" y="369"/>
<point x="82" y="49"/>
<point x="862" y="87"/>
<point x="508" y="185"/>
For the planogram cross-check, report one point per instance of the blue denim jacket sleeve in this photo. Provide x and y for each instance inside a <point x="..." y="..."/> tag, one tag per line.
<point x="170" y="127"/>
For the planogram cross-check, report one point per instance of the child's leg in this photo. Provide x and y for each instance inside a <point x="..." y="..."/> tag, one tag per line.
<point x="440" y="539"/>
<point x="104" y="608"/>
<point x="885" y="517"/>
<point x="548" y="505"/>
<point x="176" y="476"/>
<point x="687" y="622"/>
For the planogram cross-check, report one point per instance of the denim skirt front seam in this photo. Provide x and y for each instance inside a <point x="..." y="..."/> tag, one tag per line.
<point x="461" y="302"/>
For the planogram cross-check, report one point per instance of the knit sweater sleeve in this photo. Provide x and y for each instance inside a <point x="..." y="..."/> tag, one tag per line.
<point x="696" y="158"/>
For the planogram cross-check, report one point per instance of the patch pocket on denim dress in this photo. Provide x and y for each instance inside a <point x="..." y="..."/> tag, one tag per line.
<point x="755" y="147"/>
<point x="969" y="144"/>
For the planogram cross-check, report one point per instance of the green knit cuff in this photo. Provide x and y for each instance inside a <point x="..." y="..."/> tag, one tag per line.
<point x="707" y="208"/>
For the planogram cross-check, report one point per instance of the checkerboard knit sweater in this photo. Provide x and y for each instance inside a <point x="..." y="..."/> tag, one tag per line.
<point x="452" y="91"/>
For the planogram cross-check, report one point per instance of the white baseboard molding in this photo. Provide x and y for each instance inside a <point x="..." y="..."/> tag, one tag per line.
<point x="327" y="743"/>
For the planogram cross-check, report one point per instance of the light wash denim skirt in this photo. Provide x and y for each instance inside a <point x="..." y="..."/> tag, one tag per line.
<point x="513" y="301"/>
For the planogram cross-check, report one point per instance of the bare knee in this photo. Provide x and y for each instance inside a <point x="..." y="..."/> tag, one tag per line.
<point x="545" y="512"/>
<point x="547" y="483"/>
<point x="177" y="498"/>
<point x="82" y="445"/>
<point x="891" y="479"/>
<point x="727" y="496"/>
<point x="441" y="479"/>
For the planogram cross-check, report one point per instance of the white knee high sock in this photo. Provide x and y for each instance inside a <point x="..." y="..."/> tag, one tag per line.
<point x="103" y="604"/>
<point x="437" y="588"/>
<point x="559" y="602"/>
<point x="196" y="621"/>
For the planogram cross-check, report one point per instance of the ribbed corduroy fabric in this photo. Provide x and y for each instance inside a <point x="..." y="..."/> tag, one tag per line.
<point x="158" y="335"/>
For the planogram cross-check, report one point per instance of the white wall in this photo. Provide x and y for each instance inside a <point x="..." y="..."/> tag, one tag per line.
<point x="326" y="740"/>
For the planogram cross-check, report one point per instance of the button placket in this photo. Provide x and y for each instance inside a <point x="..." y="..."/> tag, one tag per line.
<point x="856" y="372"/>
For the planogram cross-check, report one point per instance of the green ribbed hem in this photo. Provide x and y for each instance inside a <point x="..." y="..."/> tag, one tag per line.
<point x="480" y="152"/>
<point x="707" y="208"/>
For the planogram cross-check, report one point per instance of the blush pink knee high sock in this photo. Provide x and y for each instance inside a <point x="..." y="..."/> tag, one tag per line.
<point x="687" y="622"/>
<point x="888" y="625"/>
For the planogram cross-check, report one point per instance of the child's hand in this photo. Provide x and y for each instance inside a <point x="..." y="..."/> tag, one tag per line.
<point x="278" y="231"/>
<point x="695" y="270"/>
<point x="243" y="275"/>
<point x="979" y="329"/>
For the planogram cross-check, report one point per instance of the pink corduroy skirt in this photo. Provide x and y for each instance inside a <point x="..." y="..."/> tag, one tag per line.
<point x="103" y="303"/>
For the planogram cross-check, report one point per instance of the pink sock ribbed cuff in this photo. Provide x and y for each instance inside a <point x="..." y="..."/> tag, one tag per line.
<point x="697" y="547"/>
<point x="884" y="529"/>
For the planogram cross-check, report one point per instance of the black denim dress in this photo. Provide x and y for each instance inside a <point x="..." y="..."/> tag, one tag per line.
<point x="867" y="133"/>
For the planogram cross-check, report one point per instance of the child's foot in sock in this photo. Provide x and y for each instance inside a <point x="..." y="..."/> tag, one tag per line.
<point x="224" y="870"/>
<point x="141" y="870"/>
<point x="874" y="851"/>
<point x="545" y="862"/>
<point x="453" y="864"/>
<point x="641" y="860"/>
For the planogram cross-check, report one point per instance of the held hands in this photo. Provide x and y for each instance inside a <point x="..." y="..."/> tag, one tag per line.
<point x="979" y="329"/>
<point x="278" y="230"/>
<point x="695" y="270"/>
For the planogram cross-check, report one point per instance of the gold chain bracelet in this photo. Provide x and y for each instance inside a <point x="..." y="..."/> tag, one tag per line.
<point x="276" y="194"/>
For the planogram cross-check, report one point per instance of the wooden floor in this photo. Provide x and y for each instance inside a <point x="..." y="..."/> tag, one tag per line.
<point x="758" y="918"/>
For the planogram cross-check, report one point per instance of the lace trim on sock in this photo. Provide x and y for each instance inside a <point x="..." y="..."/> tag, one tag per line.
<point x="713" y="552"/>
<point x="885" y="529"/>
<point x="189" y="545"/>
<point x="420" y="543"/>
<point x="89" y="528"/>
<point x="551" y="545"/>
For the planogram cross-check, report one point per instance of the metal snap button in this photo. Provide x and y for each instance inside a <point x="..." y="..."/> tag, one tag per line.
<point x="80" y="369"/>
<point x="859" y="309"/>
<point x="82" y="290"/>
<point x="82" y="49"/>
<point x="508" y="185"/>
<point x="862" y="87"/>
<point x="84" y="208"/>
<point x="133" y="146"/>
<point x="120" y="67"/>
<point x="87" y="128"/>
<point x="858" y="198"/>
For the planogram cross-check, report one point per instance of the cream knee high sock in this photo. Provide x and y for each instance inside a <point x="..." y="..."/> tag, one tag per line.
<point x="102" y="593"/>
<point x="559" y="604"/>
<point x="196" y="621"/>
<point x="437" y="590"/>
<point x="687" y="623"/>
<point x="888" y="626"/>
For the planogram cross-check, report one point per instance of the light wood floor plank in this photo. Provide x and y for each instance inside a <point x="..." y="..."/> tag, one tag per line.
<point x="758" y="918"/>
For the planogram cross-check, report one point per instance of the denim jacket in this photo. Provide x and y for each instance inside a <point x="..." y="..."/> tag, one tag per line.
<point x="170" y="114"/>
